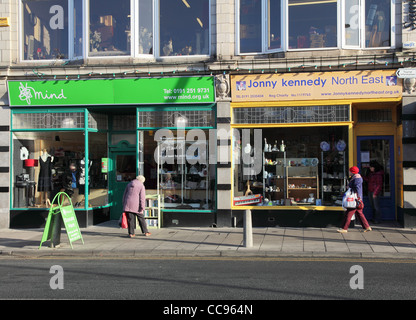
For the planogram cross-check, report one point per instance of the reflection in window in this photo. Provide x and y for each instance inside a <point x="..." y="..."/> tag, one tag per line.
<point x="274" y="25"/>
<point x="145" y="27"/>
<point x="45" y="27"/>
<point x="109" y="27"/>
<point x="78" y="37"/>
<point x="191" y="35"/>
<point x="377" y="23"/>
<point x="312" y="24"/>
<point x="352" y="22"/>
<point x="250" y="26"/>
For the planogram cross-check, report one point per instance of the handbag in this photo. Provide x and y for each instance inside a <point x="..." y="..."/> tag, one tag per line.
<point x="124" y="224"/>
<point x="360" y="203"/>
<point x="349" y="200"/>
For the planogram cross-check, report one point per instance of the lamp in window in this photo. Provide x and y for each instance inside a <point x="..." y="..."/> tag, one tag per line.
<point x="31" y="164"/>
<point x="181" y="121"/>
<point x="68" y="123"/>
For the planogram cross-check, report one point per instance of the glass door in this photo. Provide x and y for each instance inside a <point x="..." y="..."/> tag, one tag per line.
<point x="123" y="171"/>
<point x="378" y="150"/>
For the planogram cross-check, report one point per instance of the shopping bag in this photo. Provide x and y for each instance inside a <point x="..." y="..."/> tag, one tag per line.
<point x="349" y="199"/>
<point x="124" y="221"/>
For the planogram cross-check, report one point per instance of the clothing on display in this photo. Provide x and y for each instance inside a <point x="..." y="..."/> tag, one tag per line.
<point x="45" y="173"/>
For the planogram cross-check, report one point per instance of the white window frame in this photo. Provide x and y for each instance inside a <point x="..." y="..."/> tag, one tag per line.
<point x="362" y="27"/>
<point x="134" y="10"/>
<point x="264" y="29"/>
<point x="70" y="32"/>
<point x="341" y="41"/>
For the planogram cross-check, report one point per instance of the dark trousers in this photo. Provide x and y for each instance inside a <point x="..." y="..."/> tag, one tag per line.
<point x="375" y="204"/>
<point x="131" y="221"/>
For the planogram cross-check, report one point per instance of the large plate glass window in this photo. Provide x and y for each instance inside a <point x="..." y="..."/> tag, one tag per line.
<point x="183" y="27"/>
<point x="313" y="24"/>
<point x="109" y="28"/>
<point x="175" y="157"/>
<point x="260" y="25"/>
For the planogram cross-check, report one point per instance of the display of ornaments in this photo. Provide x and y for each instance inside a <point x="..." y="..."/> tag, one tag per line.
<point x="325" y="146"/>
<point x="341" y="145"/>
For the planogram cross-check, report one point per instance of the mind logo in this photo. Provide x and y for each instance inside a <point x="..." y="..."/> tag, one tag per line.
<point x="27" y="93"/>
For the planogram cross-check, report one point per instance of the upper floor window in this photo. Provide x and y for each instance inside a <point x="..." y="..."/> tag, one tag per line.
<point x="368" y="23"/>
<point x="110" y="28"/>
<point x="68" y="29"/>
<point x="184" y="27"/>
<point x="264" y="26"/>
<point x="45" y="29"/>
<point x="312" y="24"/>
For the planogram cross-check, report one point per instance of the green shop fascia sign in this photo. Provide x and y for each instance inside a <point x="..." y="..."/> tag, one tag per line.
<point x="111" y="91"/>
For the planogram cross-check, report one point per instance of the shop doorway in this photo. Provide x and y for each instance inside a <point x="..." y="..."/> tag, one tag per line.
<point x="123" y="171"/>
<point x="381" y="150"/>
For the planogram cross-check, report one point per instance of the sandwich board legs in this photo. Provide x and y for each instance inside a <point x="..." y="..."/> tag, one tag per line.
<point x="56" y="229"/>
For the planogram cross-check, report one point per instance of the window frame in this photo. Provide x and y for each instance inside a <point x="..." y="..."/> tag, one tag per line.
<point x="70" y="32"/>
<point x="341" y="41"/>
<point x="264" y="30"/>
<point x="134" y="26"/>
<point x="362" y="40"/>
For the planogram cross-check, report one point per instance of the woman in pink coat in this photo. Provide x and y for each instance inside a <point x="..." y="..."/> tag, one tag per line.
<point x="134" y="202"/>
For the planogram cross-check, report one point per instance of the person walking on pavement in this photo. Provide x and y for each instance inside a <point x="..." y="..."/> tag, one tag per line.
<point x="375" y="185"/>
<point x="134" y="201"/>
<point x="356" y="184"/>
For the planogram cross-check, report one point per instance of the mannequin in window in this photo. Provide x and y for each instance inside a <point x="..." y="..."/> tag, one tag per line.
<point x="45" y="177"/>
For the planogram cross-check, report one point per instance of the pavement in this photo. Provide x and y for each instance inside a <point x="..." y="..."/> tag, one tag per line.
<point x="107" y="240"/>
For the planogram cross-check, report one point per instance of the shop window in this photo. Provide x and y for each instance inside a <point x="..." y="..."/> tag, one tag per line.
<point x="51" y="145"/>
<point x="173" y="119"/>
<point x="45" y="29"/>
<point x="109" y="30"/>
<point x="378" y="115"/>
<point x="97" y="169"/>
<point x="291" y="166"/>
<point x="176" y="162"/>
<point x="312" y="24"/>
<point x="302" y="114"/>
<point x="68" y="120"/>
<point x="191" y="35"/>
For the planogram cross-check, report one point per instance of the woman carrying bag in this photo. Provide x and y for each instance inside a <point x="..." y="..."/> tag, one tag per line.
<point x="356" y="185"/>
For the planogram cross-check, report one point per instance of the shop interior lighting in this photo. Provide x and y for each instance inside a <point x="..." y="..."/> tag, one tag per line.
<point x="186" y="3"/>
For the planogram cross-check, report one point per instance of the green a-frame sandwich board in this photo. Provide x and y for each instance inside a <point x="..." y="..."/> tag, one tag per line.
<point x="68" y="216"/>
